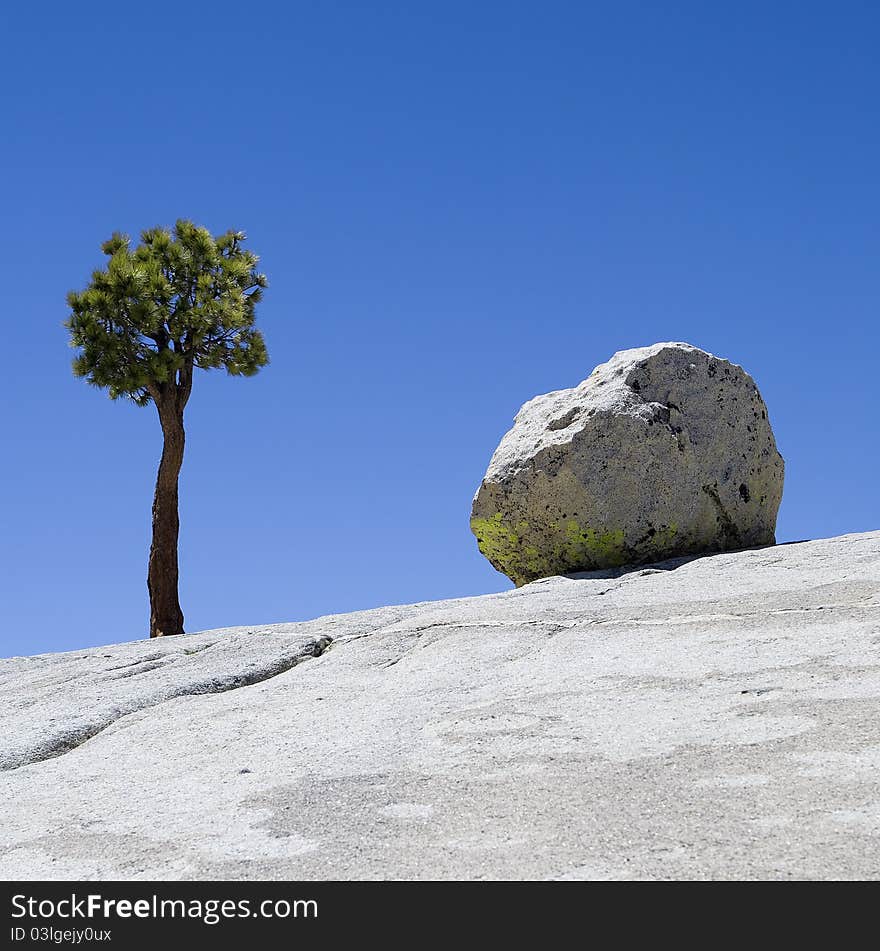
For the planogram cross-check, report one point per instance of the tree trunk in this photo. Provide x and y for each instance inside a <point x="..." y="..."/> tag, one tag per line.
<point x="165" y="614"/>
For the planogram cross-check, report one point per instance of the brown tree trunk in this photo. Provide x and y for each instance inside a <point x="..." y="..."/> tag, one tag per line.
<point x="162" y="574"/>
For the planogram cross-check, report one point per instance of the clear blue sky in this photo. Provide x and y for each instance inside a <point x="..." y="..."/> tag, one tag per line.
<point x="459" y="206"/>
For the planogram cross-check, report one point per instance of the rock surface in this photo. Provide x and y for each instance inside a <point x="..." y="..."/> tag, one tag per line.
<point x="662" y="451"/>
<point x="711" y="718"/>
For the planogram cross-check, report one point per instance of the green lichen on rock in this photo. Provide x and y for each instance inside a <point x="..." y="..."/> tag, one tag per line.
<point x="506" y="550"/>
<point x="586" y="548"/>
<point x="658" y="543"/>
<point x="577" y="548"/>
<point x="525" y="555"/>
<point x="494" y="539"/>
<point x="665" y="536"/>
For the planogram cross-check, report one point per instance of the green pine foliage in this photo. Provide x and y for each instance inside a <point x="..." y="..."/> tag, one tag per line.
<point x="181" y="299"/>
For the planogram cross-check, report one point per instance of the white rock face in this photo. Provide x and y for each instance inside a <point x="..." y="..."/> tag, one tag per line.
<point x="709" y="718"/>
<point x="662" y="451"/>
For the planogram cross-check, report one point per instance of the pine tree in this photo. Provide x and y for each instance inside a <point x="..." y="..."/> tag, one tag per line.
<point x="181" y="300"/>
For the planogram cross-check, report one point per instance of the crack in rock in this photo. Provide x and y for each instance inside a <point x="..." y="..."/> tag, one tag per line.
<point x="721" y="616"/>
<point x="134" y="670"/>
<point x="65" y="740"/>
<point x="140" y="661"/>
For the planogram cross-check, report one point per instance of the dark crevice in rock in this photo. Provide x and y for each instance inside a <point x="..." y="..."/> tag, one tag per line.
<point x="728" y="526"/>
<point x="134" y="670"/>
<point x="136" y="663"/>
<point x="564" y="421"/>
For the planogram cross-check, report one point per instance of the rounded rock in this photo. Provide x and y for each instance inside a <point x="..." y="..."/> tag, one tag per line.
<point x="661" y="452"/>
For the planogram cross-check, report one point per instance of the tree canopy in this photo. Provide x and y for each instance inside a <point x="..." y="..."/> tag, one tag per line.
<point x="179" y="300"/>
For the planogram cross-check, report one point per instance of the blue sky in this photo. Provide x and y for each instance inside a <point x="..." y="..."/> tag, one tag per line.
<point x="459" y="206"/>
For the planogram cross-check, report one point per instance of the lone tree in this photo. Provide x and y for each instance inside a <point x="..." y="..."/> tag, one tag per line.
<point x="181" y="299"/>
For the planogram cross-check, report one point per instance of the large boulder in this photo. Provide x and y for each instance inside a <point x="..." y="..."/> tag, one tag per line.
<point x="662" y="451"/>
